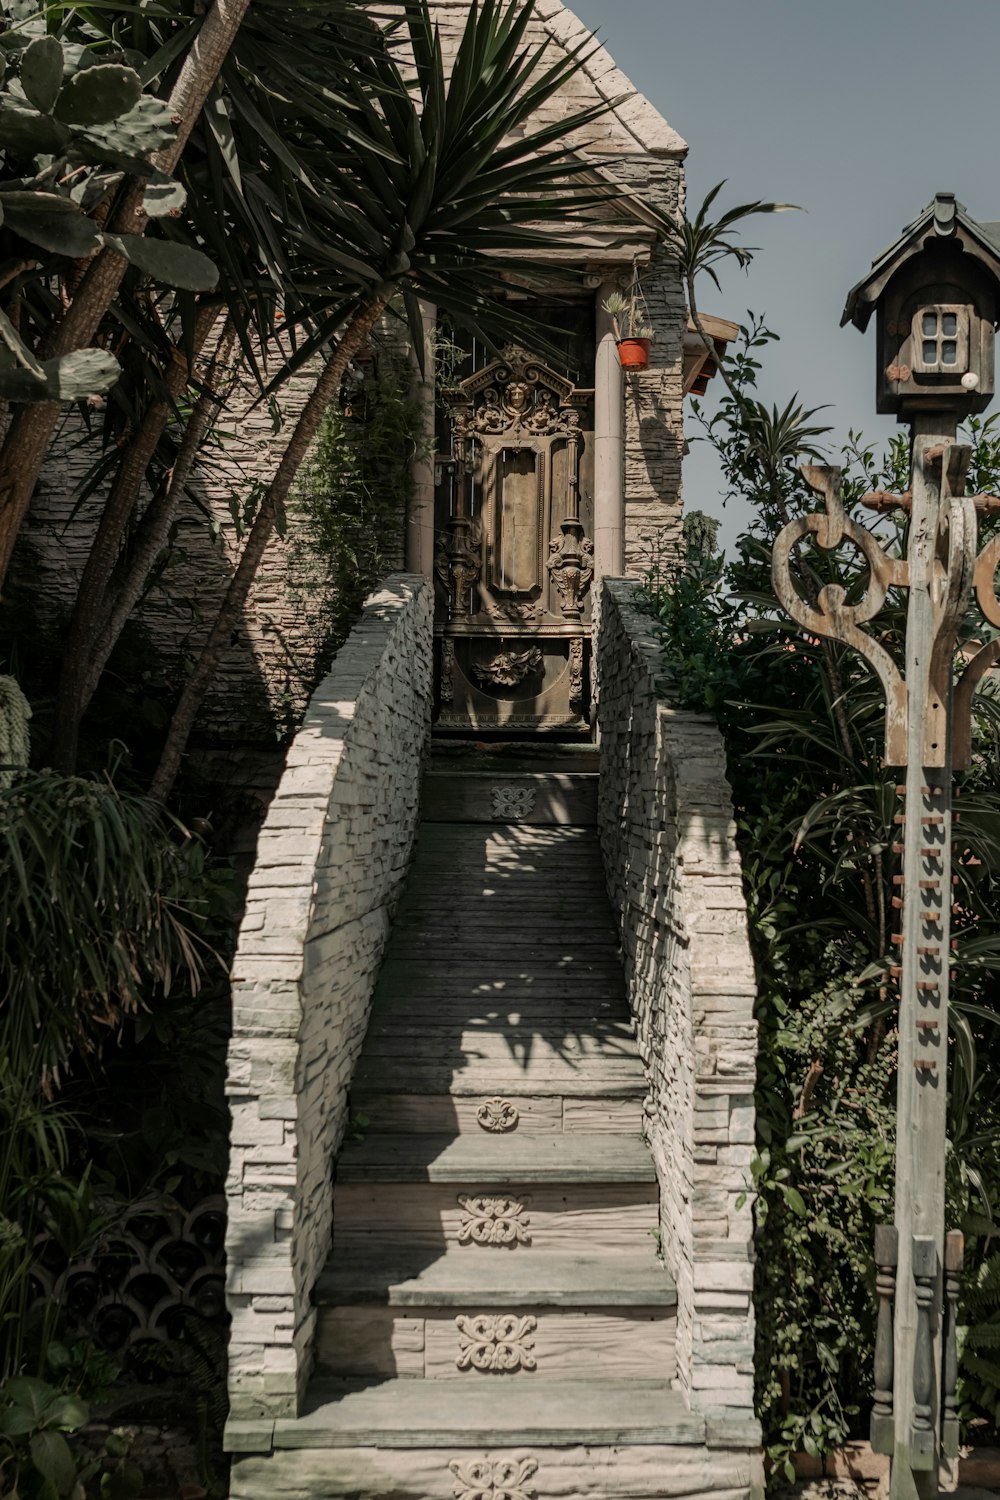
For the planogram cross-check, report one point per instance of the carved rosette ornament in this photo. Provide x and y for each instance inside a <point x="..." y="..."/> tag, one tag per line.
<point x="493" y="1220"/>
<point x="512" y="803"/>
<point x="498" y="1115"/>
<point x="571" y="565"/>
<point x="508" y="668"/>
<point x="496" y="1343"/>
<point x="494" y="1478"/>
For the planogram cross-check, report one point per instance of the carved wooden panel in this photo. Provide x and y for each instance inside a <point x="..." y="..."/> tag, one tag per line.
<point x="515" y="559"/>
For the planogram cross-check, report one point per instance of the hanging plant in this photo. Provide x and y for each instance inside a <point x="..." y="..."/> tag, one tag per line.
<point x="631" y="326"/>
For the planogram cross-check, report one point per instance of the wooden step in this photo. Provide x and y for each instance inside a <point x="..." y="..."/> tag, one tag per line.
<point x="402" y="1277"/>
<point x="480" y="1217"/>
<point x="487" y="1414"/>
<point x="534" y="1070"/>
<point x="449" y="1114"/>
<point x="500" y="1162"/>
<point x="493" y="1337"/>
<point x="521" y="797"/>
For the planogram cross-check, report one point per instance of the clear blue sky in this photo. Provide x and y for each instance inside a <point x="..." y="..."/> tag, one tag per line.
<point x="859" y="111"/>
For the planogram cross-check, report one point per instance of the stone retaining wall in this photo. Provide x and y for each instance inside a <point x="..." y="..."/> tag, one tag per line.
<point x="673" y="872"/>
<point x="330" y="861"/>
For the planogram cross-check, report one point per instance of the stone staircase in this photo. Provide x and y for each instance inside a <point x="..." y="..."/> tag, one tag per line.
<point x="494" y="1322"/>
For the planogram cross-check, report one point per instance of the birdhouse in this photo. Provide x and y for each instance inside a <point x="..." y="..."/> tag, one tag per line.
<point x="936" y="293"/>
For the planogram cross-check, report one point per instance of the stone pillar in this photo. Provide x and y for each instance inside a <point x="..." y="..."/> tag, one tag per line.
<point x="609" y="448"/>
<point x="420" y="518"/>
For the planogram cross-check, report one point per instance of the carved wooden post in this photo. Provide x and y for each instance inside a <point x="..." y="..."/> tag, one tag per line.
<point x="937" y="293"/>
<point x="886" y="1253"/>
<point x="954" y="1256"/>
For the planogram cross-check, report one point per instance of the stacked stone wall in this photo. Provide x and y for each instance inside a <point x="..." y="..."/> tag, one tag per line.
<point x="330" y="862"/>
<point x="673" y="872"/>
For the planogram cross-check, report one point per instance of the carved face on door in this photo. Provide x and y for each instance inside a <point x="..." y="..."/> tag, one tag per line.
<point x="515" y="560"/>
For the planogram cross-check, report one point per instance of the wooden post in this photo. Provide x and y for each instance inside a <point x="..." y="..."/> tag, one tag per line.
<point x="886" y="1256"/>
<point x="923" y="1000"/>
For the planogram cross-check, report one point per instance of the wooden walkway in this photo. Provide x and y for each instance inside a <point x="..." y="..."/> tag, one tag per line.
<point x="494" y="1277"/>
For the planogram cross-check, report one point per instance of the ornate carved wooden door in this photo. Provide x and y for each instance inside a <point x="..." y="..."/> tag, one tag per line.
<point x="515" y="559"/>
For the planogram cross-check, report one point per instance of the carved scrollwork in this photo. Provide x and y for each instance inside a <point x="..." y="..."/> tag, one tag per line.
<point x="511" y="803"/>
<point x="508" y="668"/>
<point x="576" y="674"/>
<point x="458" y="561"/>
<point x="496" y="1343"/>
<point x="516" y="394"/>
<point x="830" y="616"/>
<point x="494" y="1478"/>
<point x="571" y="564"/>
<point x="498" y="1115"/>
<point x="493" y="1220"/>
<point x="985" y="584"/>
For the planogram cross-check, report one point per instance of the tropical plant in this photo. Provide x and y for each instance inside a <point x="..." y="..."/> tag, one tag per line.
<point x="445" y="173"/>
<point x="133" y="144"/>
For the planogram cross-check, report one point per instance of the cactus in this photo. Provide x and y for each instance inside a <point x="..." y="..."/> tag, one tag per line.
<point x="72" y="377"/>
<point x="97" y="96"/>
<point x="15" y="741"/>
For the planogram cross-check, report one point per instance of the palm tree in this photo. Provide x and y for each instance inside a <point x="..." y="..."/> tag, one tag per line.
<point x="442" y="175"/>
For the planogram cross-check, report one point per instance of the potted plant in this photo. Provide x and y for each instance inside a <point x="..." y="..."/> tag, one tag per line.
<point x="629" y="313"/>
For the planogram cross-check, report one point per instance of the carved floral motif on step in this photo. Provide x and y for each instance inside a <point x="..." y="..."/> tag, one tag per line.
<point x="489" y="1220"/>
<point x="494" y="1478"/>
<point x="496" y="1343"/>
<point x="498" y="1115"/>
<point x="512" y="802"/>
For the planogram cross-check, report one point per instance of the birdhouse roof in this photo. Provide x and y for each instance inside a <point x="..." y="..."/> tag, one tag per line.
<point x="944" y="218"/>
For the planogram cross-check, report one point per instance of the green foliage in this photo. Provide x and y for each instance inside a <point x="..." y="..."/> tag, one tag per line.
<point x="803" y="722"/>
<point x="37" y="1462"/>
<point x="101" y="901"/>
<point x="355" y="495"/>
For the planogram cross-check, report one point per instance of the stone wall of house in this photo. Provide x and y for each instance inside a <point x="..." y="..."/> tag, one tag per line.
<point x="264" y="677"/>
<point x="673" y="871"/>
<point x="330" y="861"/>
<point x="654" y="424"/>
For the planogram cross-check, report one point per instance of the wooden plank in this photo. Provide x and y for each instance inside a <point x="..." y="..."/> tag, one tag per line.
<point x="443" y="1114"/>
<point x="563" y="1345"/>
<point x="485" y="1415"/>
<point x="453" y="1280"/>
<point x="554" y="799"/>
<point x="619" y="1217"/>
<point x="588" y="1077"/>
<point x="504" y="1161"/>
<point x="602" y="1114"/>
<point x="370" y="1341"/>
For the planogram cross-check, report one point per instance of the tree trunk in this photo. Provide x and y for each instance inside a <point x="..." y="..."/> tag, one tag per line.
<point x="30" y="433"/>
<point x="119" y="508"/>
<point x="132" y="570"/>
<point x="236" y="595"/>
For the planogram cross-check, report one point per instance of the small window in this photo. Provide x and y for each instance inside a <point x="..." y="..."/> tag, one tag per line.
<point x="941" y="335"/>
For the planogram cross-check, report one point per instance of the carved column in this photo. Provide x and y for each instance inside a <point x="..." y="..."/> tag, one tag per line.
<point x="954" y="1257"/>
<point x="609" y="447"/>
<point x="886" y="1256"/>
<point x="420" y="518"/>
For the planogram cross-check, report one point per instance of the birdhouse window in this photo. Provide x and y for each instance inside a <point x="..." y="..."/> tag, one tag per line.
<point x="941" y="340"/>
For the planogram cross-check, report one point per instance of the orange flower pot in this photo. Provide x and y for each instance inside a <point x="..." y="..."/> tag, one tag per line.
<point x="633" y="354"/>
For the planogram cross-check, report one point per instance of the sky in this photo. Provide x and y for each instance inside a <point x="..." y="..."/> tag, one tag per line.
<point x="859" y="111"/>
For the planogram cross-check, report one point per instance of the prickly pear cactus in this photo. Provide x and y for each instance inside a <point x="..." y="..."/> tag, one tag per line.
<point x="73" y="115"/>
<point x="15" y="742"/>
